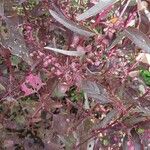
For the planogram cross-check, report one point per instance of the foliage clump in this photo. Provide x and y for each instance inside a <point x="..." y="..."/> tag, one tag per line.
<point x="71" y="77"/>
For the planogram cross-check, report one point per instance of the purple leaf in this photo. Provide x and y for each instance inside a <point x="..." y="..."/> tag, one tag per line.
<point x="144" y="24"/>
<point x="116" y="41"/>
<point x="98" y="8"/>
<point x="22" y="1"/>
<point x="14" y="41"/>
<point x="109" y="117"/>
<point x="95" y="91"/>
<point x="60" y="124"/>
<point x="132" y="143"/>
<point x="90" y="144"/>
<point x="70" y="24"/>
<point x="65" y="52"/>
<point x="139" y="38"/>
<point x="2" y="8"/>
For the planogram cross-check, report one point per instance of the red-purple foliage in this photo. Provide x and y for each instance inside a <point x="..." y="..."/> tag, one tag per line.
<point x="74" y="74"/>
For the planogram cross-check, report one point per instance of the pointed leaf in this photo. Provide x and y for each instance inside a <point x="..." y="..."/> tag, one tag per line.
<point x="139" y="38"/>
<point x="70" y="24"/>
<point x="65" y="52"/>
<point x="99" y="7"/>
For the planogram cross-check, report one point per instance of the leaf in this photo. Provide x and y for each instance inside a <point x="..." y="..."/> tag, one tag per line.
<point x="145" y="137"/>
<point x="133" y="120"/>
<point x="132" y="143"/>
<point x="4" y="85"/>
<point x="49" y="145"/>
<point x="144" y="58"/>
<point x="2" y="8"/>
<point x="109" y="117"/>
<point x="65" y="52"/>
<point x="57" y="10"/>
<point x="90" y="144"/>
<point x="32" y="84"/>
<point x="22" y="1"/>
<point x="132" y="3"/>
<point x="145" y="74"/>
<point x="99" y="7"/>
<point x="70" y="24"/>
<point x="2" y="88"/>
<point x="115" y="42"/>
<point x="144" y="110"/>
<point x="14" y="41"/>
<point x="95" y="91"/>
<point x="60" y="124"/>
<point x="139" y="38"/>
<point x="144" y="23"/>
<point x="134" y="74"/>
<point x="144" y="124"/>
<point x="86" y="102"/>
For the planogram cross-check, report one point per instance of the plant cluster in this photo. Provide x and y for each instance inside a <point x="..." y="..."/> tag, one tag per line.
<point x="74" y="74"/>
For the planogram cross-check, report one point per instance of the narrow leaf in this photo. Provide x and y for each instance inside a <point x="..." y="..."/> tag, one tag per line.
<point x="139" y="38"/>
<point x="65" y="52"/>
<point x="98" y="8"/>
<point x="70" y="24"/>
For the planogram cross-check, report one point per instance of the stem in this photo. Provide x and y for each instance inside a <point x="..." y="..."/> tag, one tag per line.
<point x="124" y="9"/>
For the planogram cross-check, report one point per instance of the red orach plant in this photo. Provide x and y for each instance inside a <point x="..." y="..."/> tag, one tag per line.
<point x="75" y="74"/>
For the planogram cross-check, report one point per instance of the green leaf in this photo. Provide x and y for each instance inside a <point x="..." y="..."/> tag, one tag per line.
<point x="145" y="74"/>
